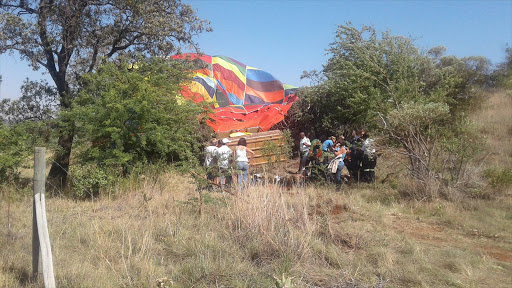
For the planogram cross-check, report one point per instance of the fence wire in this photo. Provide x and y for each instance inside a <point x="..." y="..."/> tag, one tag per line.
<point x="72" y="178"/>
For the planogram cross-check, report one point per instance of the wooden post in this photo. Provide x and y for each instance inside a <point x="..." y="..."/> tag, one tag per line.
<point x="39" y="175"/>
<point x="42" y="261"/>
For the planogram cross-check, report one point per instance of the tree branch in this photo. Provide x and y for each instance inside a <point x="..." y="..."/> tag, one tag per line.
<point x="22" y="6"/>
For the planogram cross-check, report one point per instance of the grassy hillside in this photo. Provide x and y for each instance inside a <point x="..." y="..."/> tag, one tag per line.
<point x="155" y="231"/>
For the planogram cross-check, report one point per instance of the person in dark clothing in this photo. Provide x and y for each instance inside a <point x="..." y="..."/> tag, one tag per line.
<point x="353" y="163"/>
<point x="354" y="139"/>
<point x="368" y="167"/>
<point x="369" y="160"/>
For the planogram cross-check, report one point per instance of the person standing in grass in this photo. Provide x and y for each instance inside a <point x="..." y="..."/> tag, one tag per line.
<point x="327" y="149"/>
<point x="304" y="145"/>
<point x="241" y="160"/>
<point x="336" y="165"/>
<point x="210" y="160"/>
<point x="369" y="160"/>
<point x="224" y="155"/>
<point x="353" y="161"/>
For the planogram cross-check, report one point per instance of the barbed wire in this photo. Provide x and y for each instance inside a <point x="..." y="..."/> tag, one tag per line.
<point x="54" y="187"/>
<point x="73" y="178"/>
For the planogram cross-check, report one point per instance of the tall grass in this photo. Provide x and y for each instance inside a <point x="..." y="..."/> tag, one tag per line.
<point x="315" y="237"/>
<point x="154" y="229"/>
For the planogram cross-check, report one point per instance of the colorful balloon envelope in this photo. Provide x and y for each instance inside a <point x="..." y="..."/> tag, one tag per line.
<point x="242" y="97"/>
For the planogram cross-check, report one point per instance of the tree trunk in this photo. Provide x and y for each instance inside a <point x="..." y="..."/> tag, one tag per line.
<point x="60" y="166"/>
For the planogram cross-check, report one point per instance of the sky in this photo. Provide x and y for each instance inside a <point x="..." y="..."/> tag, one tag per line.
<point x="286" y="38"/>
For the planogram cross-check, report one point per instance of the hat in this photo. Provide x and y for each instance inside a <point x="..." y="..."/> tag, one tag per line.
<point x="225" y="140"/>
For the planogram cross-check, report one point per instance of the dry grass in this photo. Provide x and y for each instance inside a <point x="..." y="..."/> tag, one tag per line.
<point x="317" y="236"/>
<point x="365" y="236"/>
<point x="495" y="124"/>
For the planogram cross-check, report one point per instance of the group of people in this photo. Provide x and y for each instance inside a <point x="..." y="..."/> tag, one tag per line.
<point x="357" y="155"/>
<point x="219" y="158"/>
<point x="332" y="154"/>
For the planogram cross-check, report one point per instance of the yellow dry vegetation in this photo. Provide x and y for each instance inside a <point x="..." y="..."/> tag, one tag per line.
<point x="155" y="233"/>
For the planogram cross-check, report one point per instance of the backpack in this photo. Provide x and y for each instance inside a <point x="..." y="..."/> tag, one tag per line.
<point x="315" y="150"/>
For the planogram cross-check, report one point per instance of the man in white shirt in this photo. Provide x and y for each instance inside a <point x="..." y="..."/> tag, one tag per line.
<point x="209" y="159"/>
<point x="304" y="145"/>
<point x="223" y="155"/>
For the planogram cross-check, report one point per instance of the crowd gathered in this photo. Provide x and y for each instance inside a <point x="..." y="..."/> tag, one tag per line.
<point x="219" y="155"/>
<point x="330" y="154"/>
<point x="334" y="154"/>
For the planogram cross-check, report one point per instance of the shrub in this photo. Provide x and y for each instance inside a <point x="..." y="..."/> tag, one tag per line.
<point x="132" y="113"/>
<point x="87" y="179"/>
<point x="14" y="150"/>
<point x="499" y="178"/>
<point x="274" y="152"/>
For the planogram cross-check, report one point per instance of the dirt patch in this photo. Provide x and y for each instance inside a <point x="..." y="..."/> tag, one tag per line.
<point x="337" y="209"/>
<point x="439" y="236"/>
<point x="498" y="253"/>
<point x="328" y="207"/>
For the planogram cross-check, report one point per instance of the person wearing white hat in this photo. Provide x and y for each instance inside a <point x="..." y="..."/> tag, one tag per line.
<point x="224" y="154"/>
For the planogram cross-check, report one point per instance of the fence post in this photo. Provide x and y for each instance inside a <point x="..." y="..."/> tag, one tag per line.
<point x="42" y="261"/>
<point x="39" y="175"/>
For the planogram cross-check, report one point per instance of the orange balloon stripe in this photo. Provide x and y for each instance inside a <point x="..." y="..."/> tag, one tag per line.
<point x="266" y="96"/>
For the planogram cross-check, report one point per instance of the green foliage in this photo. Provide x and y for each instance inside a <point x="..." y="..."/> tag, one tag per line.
<point x="87" y="179"/>
<point x="127" y="114"/>
<point x="503" y="74"/>
<point x="459" y="146"/>
<point x="274" y="152"/>
<point x="34" y="111"/>
<point x="37" y="103"/>
<point x="24" y="124"/>
<point x="499" y="177"/>
<point x="418" y="99"/>
<point x="368" y="74"/>
<point x="286" y="149"/>
<point x="283" y="282"/>
<point x="70" y="38"/>
<point x="14" y="150"/>
<point x="269" y="152"/>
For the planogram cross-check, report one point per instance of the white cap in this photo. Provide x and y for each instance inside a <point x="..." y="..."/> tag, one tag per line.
<point x="225" y="140"/>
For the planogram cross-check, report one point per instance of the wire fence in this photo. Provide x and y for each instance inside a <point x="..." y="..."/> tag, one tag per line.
<point x="88" y="191"/>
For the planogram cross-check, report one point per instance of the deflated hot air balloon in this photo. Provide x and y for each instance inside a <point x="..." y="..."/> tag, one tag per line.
<point x="243" y="97"/>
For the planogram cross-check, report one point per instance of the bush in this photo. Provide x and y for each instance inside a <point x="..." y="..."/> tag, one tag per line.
<point x="14" y="150"/>
<point x="133" y="113"/>
<point x="274" y="152"/>
<point x="499" y="178"/>
<point x="88" y="179"/>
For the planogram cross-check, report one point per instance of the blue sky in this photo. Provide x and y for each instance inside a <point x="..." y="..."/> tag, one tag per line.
<point x="288" y="37"/>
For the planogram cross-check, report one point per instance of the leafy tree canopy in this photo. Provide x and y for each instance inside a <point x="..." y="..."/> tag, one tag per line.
<point x="37" y="103"/>
<point x="127" y="114"/>
<point x="70" y="37"/>
<point x="503" y="74"/>
<point x="379" y="80"/>
<point x="370" y="73"/>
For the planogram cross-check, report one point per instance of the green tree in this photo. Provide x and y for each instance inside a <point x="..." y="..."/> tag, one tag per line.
<point x="68" y="38"/>
<point x="14" y="150"/>
<point x="379" y="80"/>
<point x="369" y="73"/>
<point x="38" y="102"/>
<point x="34" y="112"/>
<point x="503" y="73"/>
<point x="129" y="114"/>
